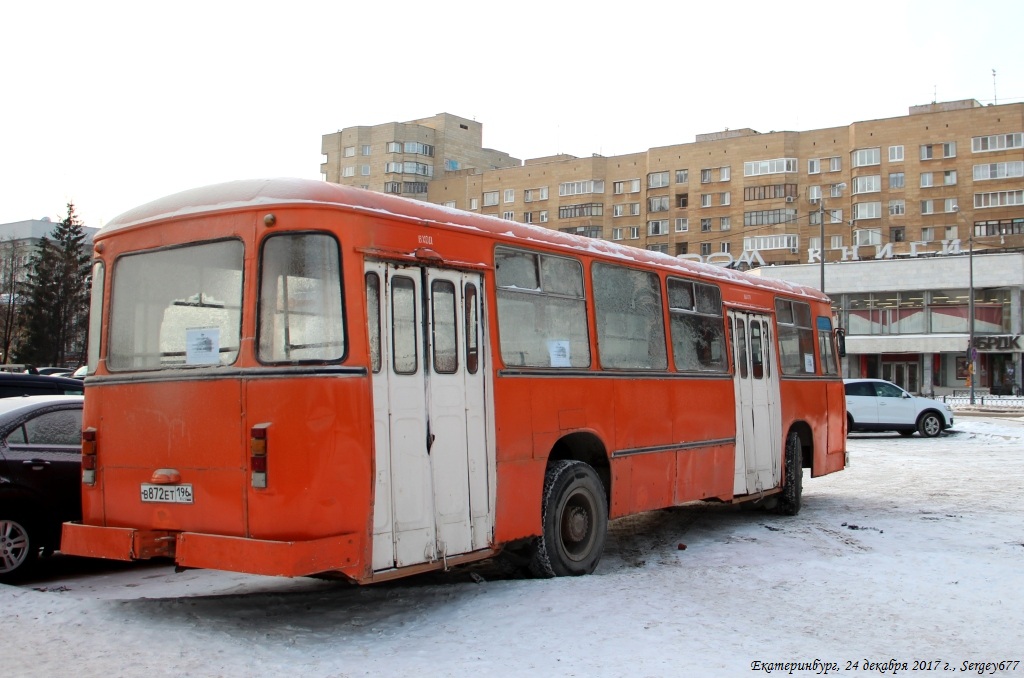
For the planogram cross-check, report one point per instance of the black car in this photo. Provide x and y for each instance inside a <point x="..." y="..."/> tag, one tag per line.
<point x="19" y="384"/>
<point x="40" y="477"/>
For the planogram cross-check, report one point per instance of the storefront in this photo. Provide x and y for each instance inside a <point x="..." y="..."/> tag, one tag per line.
<point x="907" y="319"/>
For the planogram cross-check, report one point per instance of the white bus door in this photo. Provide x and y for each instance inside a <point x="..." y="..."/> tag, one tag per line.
<point x="431" y="452"/>
<point x="758" y="414"/>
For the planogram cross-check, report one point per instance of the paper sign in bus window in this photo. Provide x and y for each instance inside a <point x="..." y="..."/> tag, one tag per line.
<point x="202" y="346"/>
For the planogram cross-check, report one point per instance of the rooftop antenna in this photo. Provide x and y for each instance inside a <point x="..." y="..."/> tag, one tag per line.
<point x="935" y="94"/>
<point x="995" y="97"/>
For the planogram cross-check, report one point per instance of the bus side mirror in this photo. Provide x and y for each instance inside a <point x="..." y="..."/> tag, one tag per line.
<point x="841" y="341"/>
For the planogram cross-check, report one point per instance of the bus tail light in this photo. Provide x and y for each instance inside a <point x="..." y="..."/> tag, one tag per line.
<point x="89" y="456"/>
<point x="258" y="454"/>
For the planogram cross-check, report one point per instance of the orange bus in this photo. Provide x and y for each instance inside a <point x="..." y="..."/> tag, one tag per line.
<point x="291" y="377"/>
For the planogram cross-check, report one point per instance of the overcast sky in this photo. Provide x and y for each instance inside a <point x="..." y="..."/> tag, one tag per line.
<point x="111" y="104"/>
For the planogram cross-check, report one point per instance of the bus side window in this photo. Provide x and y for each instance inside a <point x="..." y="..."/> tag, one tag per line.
<point x="373" y="319"/>
<point x="630" y="318"/>
<point x="445" y="349"/>
<point x="756" y="357"/>
<point x="828" y="358"/>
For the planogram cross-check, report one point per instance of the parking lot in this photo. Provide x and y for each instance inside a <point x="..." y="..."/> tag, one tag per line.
<point x="914" y="552"/>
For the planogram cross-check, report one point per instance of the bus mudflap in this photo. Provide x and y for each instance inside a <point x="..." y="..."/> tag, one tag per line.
<point x="273" y="558"/>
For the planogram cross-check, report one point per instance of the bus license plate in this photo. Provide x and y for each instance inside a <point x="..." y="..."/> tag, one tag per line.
<point x="167" y="494"/>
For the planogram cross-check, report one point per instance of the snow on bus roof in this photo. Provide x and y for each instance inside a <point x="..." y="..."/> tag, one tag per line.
<point x="249" y="193"/>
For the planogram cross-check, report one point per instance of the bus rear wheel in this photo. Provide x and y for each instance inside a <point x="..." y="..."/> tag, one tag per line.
<point x="793" y="487"/>
<point x="574" y="519"/>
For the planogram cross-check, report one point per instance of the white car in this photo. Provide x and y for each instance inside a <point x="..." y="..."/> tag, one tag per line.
<point x="877" y="405"/>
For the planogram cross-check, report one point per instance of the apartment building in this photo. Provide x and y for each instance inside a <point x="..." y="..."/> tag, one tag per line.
<point x="891" y="187"/>
<point x="404" y="157"/>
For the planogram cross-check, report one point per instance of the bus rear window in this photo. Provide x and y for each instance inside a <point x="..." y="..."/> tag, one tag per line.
<point x="177" y="307"/>
<point x="300" y="314"/>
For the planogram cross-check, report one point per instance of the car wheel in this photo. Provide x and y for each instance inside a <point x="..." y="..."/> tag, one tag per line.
<point x="905" y="433"/>
<point x="574" y="521"/>
<point x="929" y="425"/>
<point x="793" y="488"/>
<point x="18" y="547"/>
<point x="849" y="424"/>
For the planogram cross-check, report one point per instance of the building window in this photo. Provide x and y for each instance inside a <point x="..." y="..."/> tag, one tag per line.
<point x="949" y="178"/>
<point x="949" y="149"/>
<point x="414" y="187"/>
<point x="814" y="166"/>
<point x="393" y="187"/>
<point x="581" y="187"/>
<point x="724" y="173"/>
<point x="997" y="142"/>
<point x="682" y="248"/>
<point x="726" y="247"/>
<point x="349" y="171"/>
<point x="683" y="200"/>
<point x="865" y="157"/>
<point x="682" y="176"/>
<point x="587" y="231"/>
<point x="951" y="232"/>
<point x="769" y="217"/>
<point x="364" y="170"/>
<point x="543" y="216"/>
<point x="587" y="209"/>
<point x="705" y="200"/>
<point x="950" y="205"/>
<point x="634" y="232"/>
<point x="724" y="223"/>
<point x="774" y="166"/>
<point x="663" y="248"/>
<point x="451" y="165"/>
<point x="928" y="234"/>
<point x="450" y="203"/>
<point x="490" y="198"/>
<point x="657" y="180"/>
<point x="725" y="198"/>
<point x="814" y="194"/>
<point x="927" y="152"/>
<point x="511" y="216"/>
<point x="867" y="236"/>
<point x="682" y="225"/>
<point x="896" y="180"/>
<point x="657" y="204"/>
<point x="770" y="192"/>
<point x="705" y="248"/>
<point x="869" y="184"/>
<point x="350" y="151"/>
<point x="417" y="148"/>
<point x="527" y="217"/>
<point x="628" y="186"/>
<point x="999" y="170"/>
<point x="535" y="194"/>
<point x="927" y="180"/>
<point x="705" y="176"/>
<point x="836" y="242"/>
<point x="616" y="234"/>
<point x="657" y="227"/>
<point x="897" y="234"/>
<point x="866" y="210"/>
<point x="835" y="164"/>
<point x="474" y="203"/>
<point x="999" y="199"/>
<point x="897" y="208"/>
<point x="394" y="147"/>
<point x="366" y="149"/>
<point x="785" y="241"/>
<point x="705" y="225"/>
<point x="510" y="195"/>
<point x="895" y="154"/>
<point x="927" y="207"/>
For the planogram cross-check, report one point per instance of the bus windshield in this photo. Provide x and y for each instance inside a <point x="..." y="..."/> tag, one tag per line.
<point x="176" y="307"/>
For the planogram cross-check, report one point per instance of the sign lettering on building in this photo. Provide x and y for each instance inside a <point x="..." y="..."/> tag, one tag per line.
<point x="998" y="343"/>
<point x="853" y="253"/>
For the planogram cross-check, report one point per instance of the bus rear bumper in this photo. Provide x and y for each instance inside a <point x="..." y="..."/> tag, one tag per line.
<point x="210" y="551"/>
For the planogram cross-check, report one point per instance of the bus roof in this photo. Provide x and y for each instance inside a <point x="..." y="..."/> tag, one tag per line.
<point x="250" y="193"/>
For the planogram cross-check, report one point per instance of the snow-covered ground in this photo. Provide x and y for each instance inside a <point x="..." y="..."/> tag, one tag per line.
<point x="913" y="553"/>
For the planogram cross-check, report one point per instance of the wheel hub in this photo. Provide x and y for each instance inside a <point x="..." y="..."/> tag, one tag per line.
<point x="577" y="524"/>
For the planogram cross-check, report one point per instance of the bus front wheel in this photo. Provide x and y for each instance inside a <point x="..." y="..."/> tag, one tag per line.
<point x="574" y="520"/>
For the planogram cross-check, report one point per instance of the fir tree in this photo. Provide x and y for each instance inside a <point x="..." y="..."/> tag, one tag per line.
<point x="55" y="314"/>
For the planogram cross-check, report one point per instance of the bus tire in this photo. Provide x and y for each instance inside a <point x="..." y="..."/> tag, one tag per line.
<point x="793" y="480"/>
<point x="574" y="520"/>
<point x="18" y="547"/>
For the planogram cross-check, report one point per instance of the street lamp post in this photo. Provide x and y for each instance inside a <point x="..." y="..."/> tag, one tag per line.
<point x="821" y="231"/>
